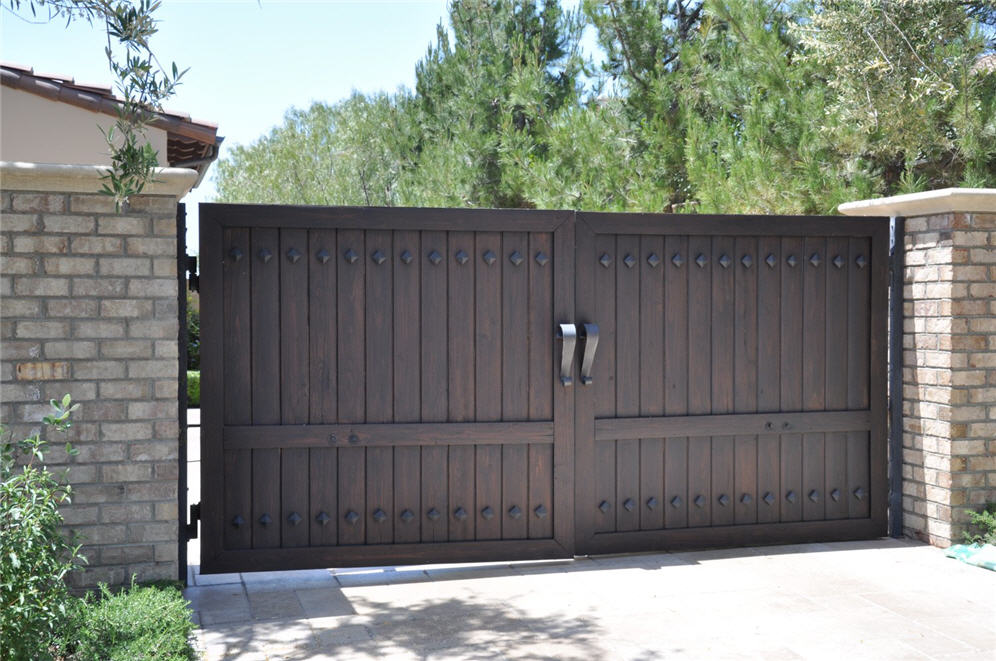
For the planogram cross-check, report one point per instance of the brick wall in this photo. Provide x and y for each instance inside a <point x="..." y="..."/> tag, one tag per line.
<point x="88" y="302"/>
<point x="949" y="373"/>
<point x="949" y="356"/>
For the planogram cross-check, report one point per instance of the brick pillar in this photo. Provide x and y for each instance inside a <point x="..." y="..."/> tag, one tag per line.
<point x="949" y="356"/>
<point x="88" y="299"/>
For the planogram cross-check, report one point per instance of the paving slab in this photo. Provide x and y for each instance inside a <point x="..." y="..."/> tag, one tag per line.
<point x="877" y="599"/>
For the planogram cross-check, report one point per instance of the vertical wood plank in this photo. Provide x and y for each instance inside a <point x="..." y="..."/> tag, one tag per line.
<point x="462" y="505"/>
<point x="408" y="264"/>
<point x="378" y="360"/>
<point x="700" y="371"/>
<point x="435" y="382"/>
<point x="747" y="261"/>
<point x="836" y="384"/>
<point x="604" y="369"/>
<point x="676" y="359"/>
<point x="323" y="481"/>
<point x="435" y="371"/>
<point x="237" y="323"/>
<point x="541" y="506"/>
<point x="379" y="368"/>
<point x="488" y="491"/>
<point x="435" y="503"/>
<point x="515" y="326"/>
<point x="540" y="324"/>
<point x="238" y="499"/>
<point x="352" y="496"/>
<point x="380" y="513"/>
<point x="351" y="462"/>
<point x="769" y="324"/>
<point x="461" y="317"/>
<point x="488" y="326"/>
<point x="407" y="494"/>
<point x="266" y="519"/>
<point x="294" y="492"/>
<point x="237" y="377"/>
<point x="858" y="342"/>
<point x="266" y="499"/>
<point x="723" y="293"/>
<point x="793" y="250"/>
<point x="460" y="322"/>
<point x="541" y="339"/>
<point x="814" y="375"/>
<point x="322" y="326"/>
<point x="294" y="380"/>
<point x="515" y="503"/>
<point x="515" y="380"/>
<point x="488" y="379"/>
<point x="604" y="385"/>
<point x="265" y="326"/>
<point x="293" y="324"/>
<point x="351" y="321"/>
<point x="407" y="327"/>
<point x="565" y="437"/>
<point x="627" y="337"/>
<point x="652" y="266"/>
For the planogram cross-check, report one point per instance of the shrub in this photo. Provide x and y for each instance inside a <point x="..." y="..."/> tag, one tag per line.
<point x="140" y="623"/>
<point x="35" y="555"/>
<point x="193" y="335"/>
<point x="984" y="523"/>
<point x="193" y="389"/>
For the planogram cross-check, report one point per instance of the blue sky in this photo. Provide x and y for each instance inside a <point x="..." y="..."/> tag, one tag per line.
<point x="249" y="62"/>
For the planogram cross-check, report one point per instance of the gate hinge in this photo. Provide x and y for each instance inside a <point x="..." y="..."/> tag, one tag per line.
<point x="193" y="279"/>
<point x="190" y="530"/>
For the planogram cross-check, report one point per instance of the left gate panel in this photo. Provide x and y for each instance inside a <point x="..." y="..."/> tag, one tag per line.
<point x="383" y="392"/>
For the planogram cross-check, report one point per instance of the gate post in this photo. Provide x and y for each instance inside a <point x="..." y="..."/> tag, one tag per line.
<point x="948" y="358"/>
<point x="90" y="297"/>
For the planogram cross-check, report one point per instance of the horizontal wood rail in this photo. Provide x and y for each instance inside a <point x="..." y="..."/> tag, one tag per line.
<point x="731" y="225"/>
<point x="246" y="437"/>
<point x="386" y="218"/>
<point x="730" y="425"/>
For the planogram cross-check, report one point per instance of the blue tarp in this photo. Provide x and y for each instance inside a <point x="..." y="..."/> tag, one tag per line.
<point x="981" y="556"/>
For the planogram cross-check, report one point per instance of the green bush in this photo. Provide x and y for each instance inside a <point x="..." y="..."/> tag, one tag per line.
<point x="984" y="523"/>
<point x="140" y="623"/>
<point x="193" y="335"/>
<point x="193" y="389"/>
<point x="35" y="555"/>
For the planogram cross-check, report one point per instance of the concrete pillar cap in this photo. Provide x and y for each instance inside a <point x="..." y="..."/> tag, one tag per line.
<point x="927" y="203"/>
<point x="62" y="178"/>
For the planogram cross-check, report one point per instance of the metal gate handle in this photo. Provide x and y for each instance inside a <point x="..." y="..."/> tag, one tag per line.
<point x="590" y="338"/>
<point x="569" y="334"/>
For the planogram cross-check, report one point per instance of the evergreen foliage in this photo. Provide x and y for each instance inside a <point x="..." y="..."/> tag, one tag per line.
<point x="718" y="106"/>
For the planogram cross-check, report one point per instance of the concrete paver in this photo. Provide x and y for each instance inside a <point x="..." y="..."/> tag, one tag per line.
<point x="880" y="599"/>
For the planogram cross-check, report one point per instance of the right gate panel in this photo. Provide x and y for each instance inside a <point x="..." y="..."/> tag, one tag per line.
<point x="738" y="385"/>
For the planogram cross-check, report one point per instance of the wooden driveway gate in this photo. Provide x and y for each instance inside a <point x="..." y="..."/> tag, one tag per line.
<point x="390" y="386"/>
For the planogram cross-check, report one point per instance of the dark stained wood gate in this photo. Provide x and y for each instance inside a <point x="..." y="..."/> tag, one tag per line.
<point x="379" y="386"/>
<point x="390" y="386"/>
<point x="738" y="390"/>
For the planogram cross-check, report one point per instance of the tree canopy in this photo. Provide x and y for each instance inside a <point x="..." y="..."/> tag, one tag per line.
<point x="727" y="106"/>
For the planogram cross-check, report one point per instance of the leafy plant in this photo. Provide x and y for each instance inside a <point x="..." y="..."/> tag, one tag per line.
<point x="193" y="335"/>
<point x="984" y="523"/>
<point x="35" y="555"/>
<point x="142" y="622"/>
<point x="193" y="389"/>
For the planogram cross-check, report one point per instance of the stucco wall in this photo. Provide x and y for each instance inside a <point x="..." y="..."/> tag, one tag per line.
<point x="35" y="129"/>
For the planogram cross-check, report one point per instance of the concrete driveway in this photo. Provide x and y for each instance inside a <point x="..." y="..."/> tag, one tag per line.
<point x="882" y="599"/>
